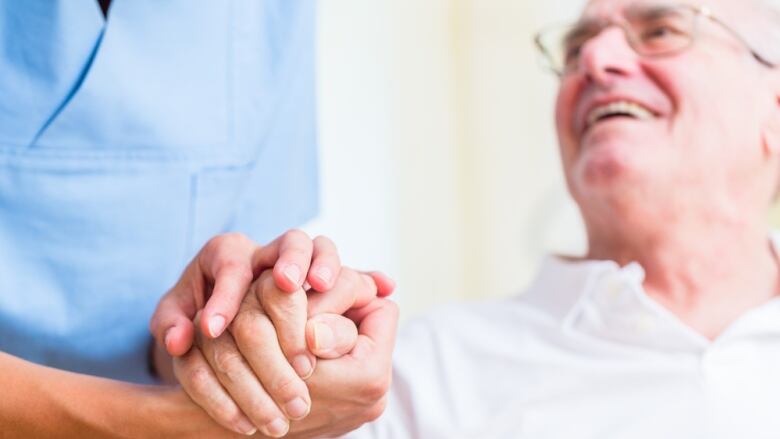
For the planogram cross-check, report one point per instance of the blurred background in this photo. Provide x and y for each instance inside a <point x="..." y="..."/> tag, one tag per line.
<point x="437" y="146"/>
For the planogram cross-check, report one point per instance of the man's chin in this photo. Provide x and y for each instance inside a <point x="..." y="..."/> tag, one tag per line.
<point x="605" y="164"/>
<point x="608" y="176"/>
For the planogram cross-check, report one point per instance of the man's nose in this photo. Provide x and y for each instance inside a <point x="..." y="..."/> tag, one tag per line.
<point x="608" y="56"/>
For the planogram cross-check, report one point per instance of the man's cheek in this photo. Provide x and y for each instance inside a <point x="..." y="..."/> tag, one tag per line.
<point x="564" y="115"/>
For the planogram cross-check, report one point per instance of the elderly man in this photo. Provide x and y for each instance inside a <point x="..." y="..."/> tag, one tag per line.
<point x="668" y="117"/>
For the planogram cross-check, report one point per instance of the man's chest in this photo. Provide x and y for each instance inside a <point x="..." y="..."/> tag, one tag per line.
<point x="593" y="392"/>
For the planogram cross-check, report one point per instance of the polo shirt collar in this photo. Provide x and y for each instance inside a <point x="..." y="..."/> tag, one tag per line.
<point x="604" y="300"/>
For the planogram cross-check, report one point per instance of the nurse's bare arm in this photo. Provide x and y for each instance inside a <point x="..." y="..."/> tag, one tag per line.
<point x="42" y="402"/>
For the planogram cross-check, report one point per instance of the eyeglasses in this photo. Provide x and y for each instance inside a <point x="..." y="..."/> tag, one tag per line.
<point x="652" y="31"/>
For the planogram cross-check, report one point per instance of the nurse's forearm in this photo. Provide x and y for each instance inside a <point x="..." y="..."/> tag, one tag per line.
<point x="42" y="402"/>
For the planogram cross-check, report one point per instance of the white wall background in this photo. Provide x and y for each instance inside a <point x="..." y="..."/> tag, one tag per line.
<point x="438" y="156"/>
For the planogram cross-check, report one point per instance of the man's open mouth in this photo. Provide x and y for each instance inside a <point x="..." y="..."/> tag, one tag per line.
<point x="617" y="109"/>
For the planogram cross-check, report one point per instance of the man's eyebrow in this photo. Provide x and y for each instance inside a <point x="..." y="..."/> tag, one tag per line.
<point x="649" y="12"/>
<point x="581" y="28"/>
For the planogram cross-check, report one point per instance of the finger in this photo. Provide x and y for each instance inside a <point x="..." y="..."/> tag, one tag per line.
<point x="226" y="262"/>
<point x="171" y="323"/>
<point x="290" y="257"/>
<point x="237" y="378"/>
<point x="232" y="278"/>
<point x="352" y="290"/>
<point x="201" y="384"/>
<point x="377" y="323"/>
<point x="384" y="284"/>
<point x="330" y="335"/>
<point x="288" y="312"/>
<point x="325" y="265"/>
<point x="256" y="338"/>
<point x="295" y="252"/>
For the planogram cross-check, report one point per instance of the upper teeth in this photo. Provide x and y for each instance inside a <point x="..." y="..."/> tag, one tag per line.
<point x="619" y="107"/>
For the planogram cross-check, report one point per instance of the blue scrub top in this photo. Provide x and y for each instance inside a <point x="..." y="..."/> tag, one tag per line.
<point x="125" y="144"/>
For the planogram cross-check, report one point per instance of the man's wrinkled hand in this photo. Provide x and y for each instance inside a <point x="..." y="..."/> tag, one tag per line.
<point x="243" y="379"/>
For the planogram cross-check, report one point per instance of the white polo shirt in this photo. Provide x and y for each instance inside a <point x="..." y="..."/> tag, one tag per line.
<point x="585" y="353"/>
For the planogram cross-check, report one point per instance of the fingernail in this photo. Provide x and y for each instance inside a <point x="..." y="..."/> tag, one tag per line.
<point x="323" y="337"/>
<point x="277" y="428"/>
<point x="324" y="274"/>
<point x="216" y="325"/>
<point x="302" y="366"/>
<point x="246" y="427"/>
<point x="293" y="273"/>
<point x="297" y="408"/>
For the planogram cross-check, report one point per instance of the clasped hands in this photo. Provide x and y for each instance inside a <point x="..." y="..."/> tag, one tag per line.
<point x="278" y="339"/>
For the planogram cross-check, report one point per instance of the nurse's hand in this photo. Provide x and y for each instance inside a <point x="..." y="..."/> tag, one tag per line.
<point x="220" y="275"/>
<point x="242" y="378"/>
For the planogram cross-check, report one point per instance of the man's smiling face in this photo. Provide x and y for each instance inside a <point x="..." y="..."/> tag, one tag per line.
<point x="694" y="120"/>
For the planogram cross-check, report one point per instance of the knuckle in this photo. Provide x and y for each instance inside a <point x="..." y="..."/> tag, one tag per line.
<point x="349" y="278"/>
<point x="284" y="306"/>
<point x="247" y="325"/>
<point x="228" y="363"/>
<point x="226" y="240"/>
<point x="226" y="412"/>
<point x="240" y="269"/>
<point x="235" y="237"/>
<point x="375" y="410"/>
<point x="377" y="385"/>
<point x="298" y="254"/>
<point x="295" y="235"/>
<point x="285" y="386"/>
<point x="325" y="243"/>
<point x="217" y="242"/>
<point x="198" y="380"/>
<point x="262" y="412"/>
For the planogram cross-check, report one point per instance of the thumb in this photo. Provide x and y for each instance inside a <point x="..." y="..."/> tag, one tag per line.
<point x="330" y="335"/>
<point x="171" y="323"/>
